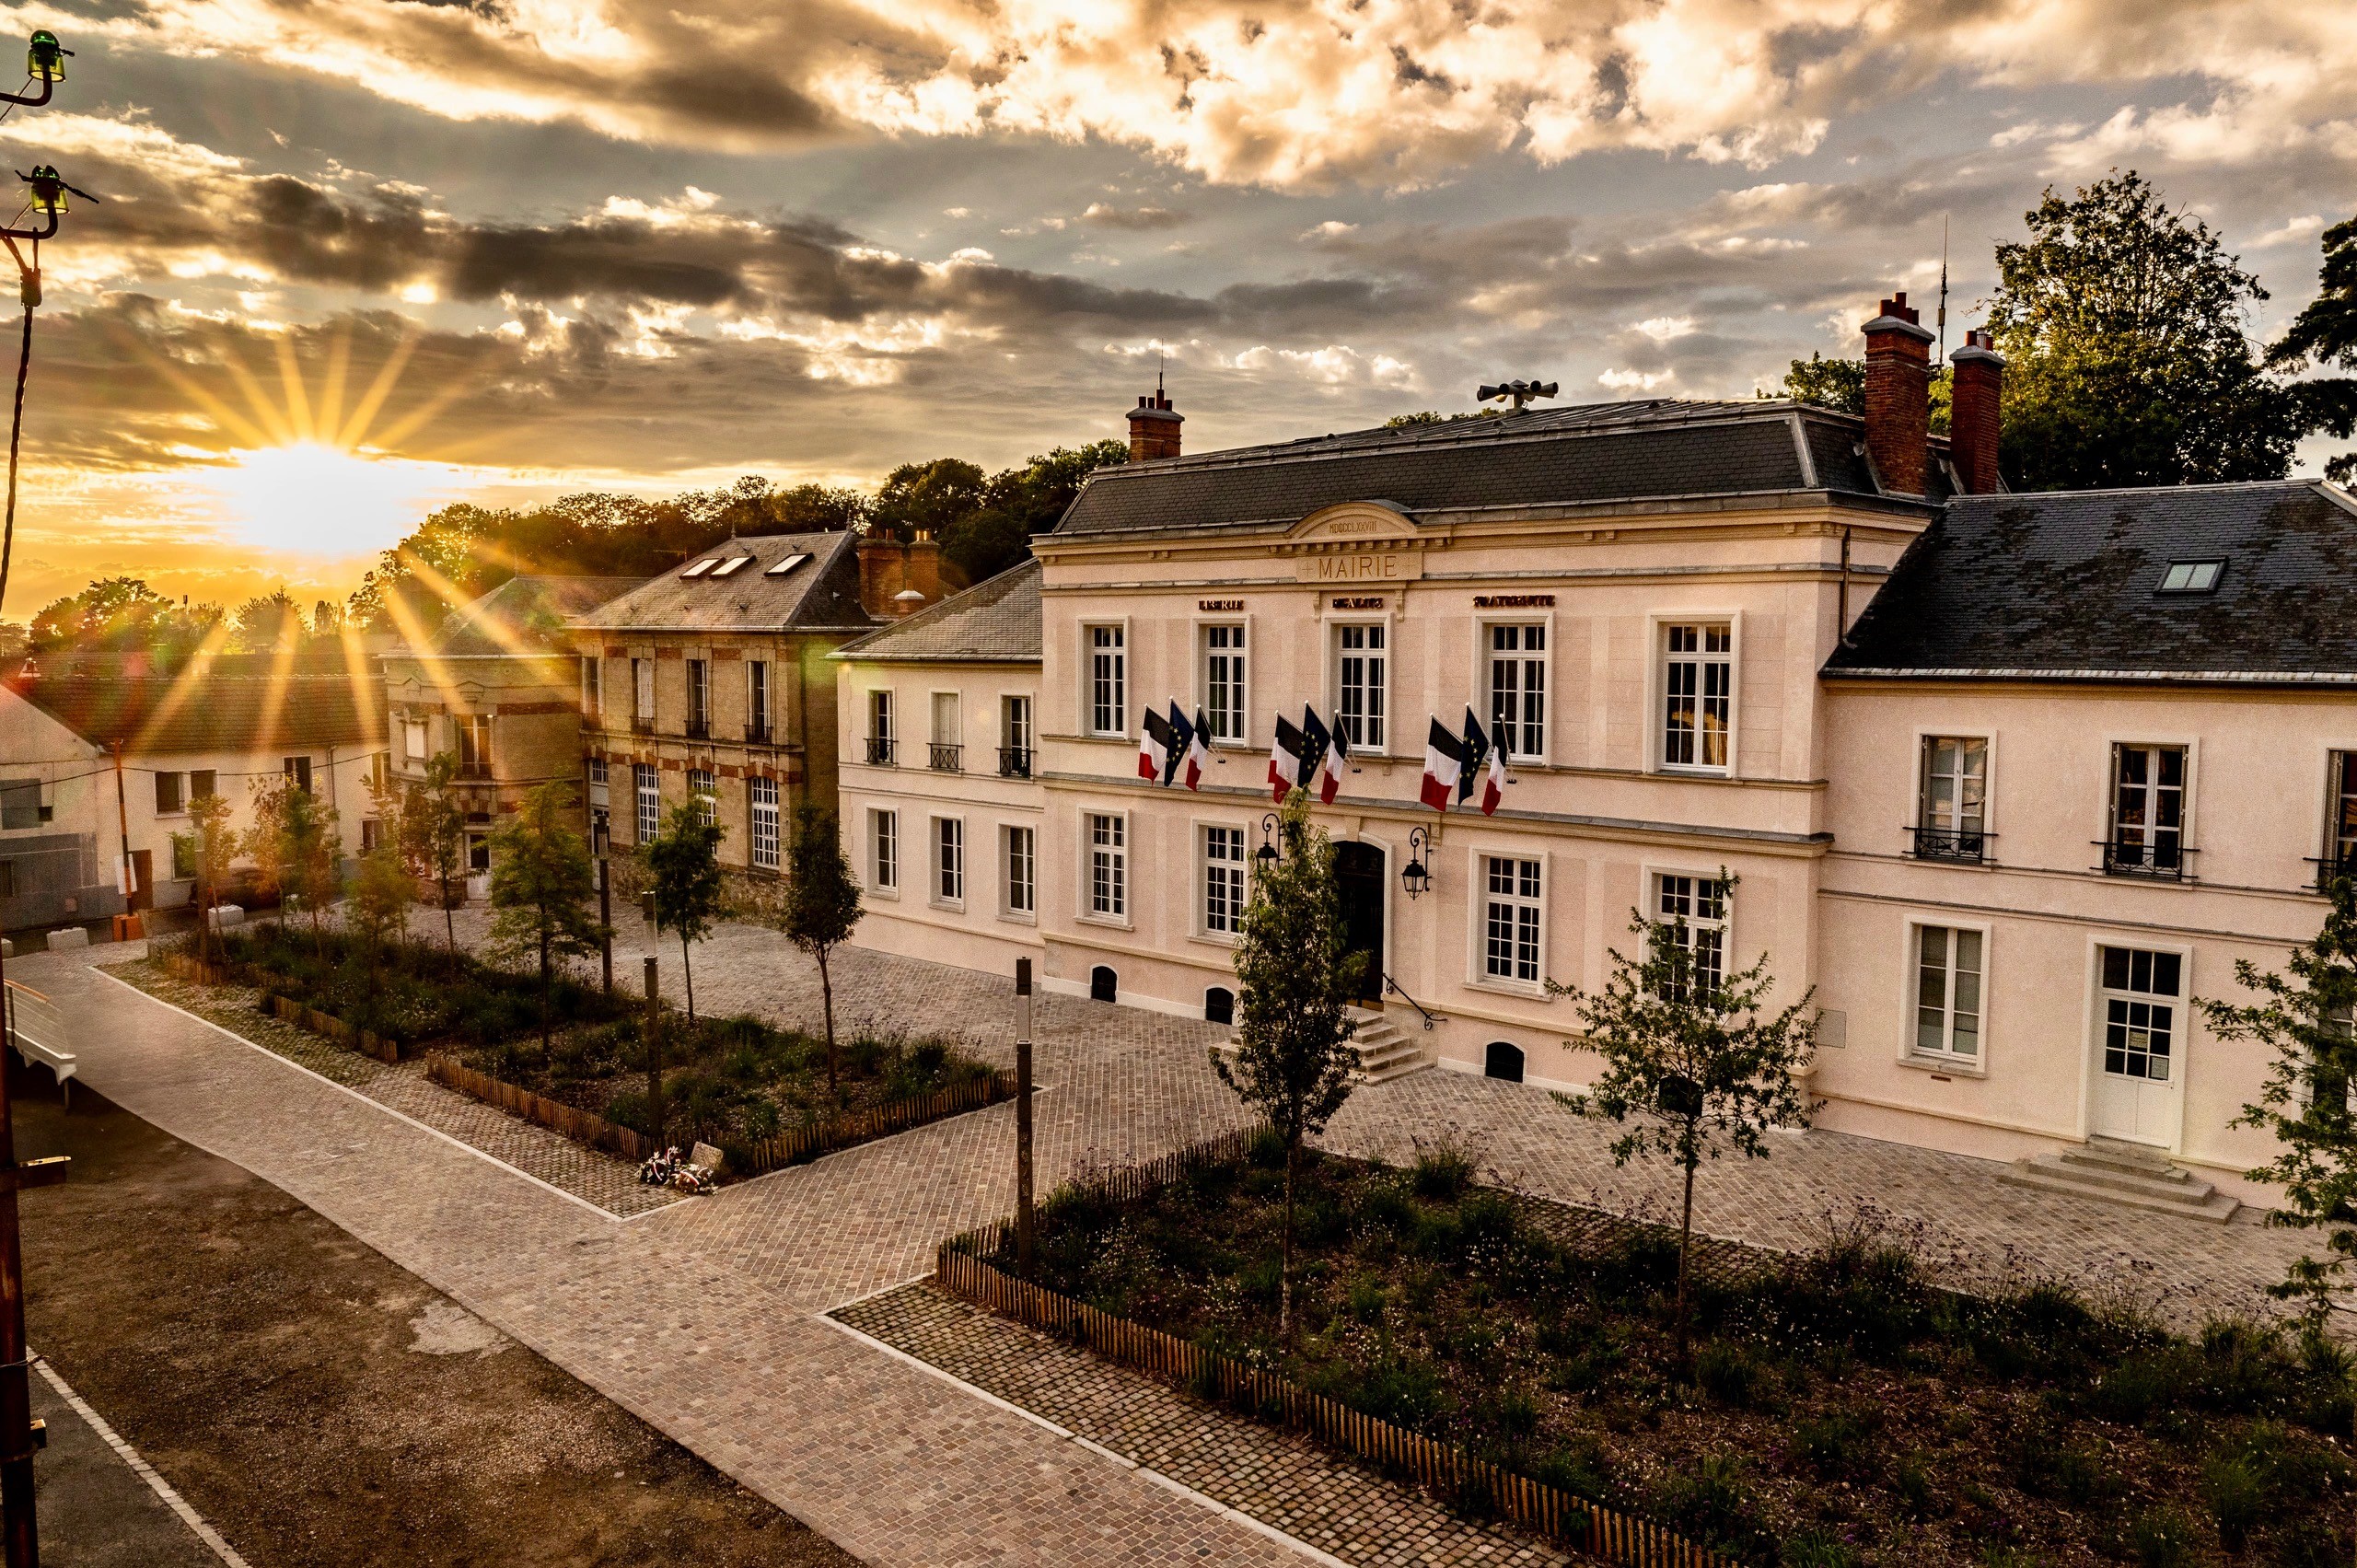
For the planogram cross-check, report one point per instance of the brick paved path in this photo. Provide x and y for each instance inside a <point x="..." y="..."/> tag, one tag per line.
<point x="1276" y="1477"/>
<point x="698" y="1317"/>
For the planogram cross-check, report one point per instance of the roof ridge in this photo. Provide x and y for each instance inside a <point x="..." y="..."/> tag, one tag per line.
<point x="2293" y="483"/>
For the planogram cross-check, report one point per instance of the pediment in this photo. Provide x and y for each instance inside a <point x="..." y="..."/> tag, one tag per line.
<point x="1355" y="522"/>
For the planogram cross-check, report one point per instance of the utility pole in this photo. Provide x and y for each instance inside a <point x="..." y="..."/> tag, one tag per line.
<point x="19" y="1437"/>
<point x="654" y="1050"/>
<point x="122" y="828"/>
<point x="1023" y="1223"/>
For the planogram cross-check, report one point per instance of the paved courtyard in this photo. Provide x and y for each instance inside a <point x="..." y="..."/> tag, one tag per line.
<point x="700" y="1316"/>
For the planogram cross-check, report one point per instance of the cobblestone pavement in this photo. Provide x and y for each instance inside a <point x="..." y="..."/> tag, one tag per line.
<point x="609" y="1183"/>
<point x="1276" y="1477"/>
<point x="698" y="1317"/>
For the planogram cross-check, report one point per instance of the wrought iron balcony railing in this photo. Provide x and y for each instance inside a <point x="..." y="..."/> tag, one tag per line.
<point x="1015" y="762"/>
<point x="2159" y="859"/>
<point x="2333" y="867"/>
<point x="699" y="728"/>
<point x="879" y="750"/>
<point x="1965" y="845"/>
<point x="756" y="733"/>
<point x="943" y="758"/>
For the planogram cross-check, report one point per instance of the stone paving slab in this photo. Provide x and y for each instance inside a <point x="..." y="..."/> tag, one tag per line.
<point x="589" y="1174"/>
<point x="1280" y="1477"/>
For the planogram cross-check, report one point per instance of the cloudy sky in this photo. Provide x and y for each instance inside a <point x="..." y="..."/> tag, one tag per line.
<point x="357" y="258"/>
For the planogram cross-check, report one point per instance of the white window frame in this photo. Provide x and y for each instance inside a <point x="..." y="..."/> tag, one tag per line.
<point x="1338" y="628"/>
<point x="1235" y="872"/>
<point x="646" y="799"/>
<point x="1657" y="878"/>
<point x="706" y="794"/>
<point x="948" y="856"/>
<point x="1009" y="835"/>
<point x="1911" y="1051"/>
<point x="593" y="687"/>
<point x="1658" y="684"/>
<point x="2186" y="815"/>
<point x="759" y="698"/>
<point x="1116" y="853"/>
<point x="699" y="687"/>
<point x="1018" y="730"/>
<point x="1239" y="678"/>
<point x="956" y="712"/>
<point x="642" y="689"/>
<point x="883" y="852"/>
<point x="1483" y="901"/>
<point x="417" y="740"/>
<point x="1090" y="709"/>
<point x="764" y="831"/>
<point x="1485" y="661"/>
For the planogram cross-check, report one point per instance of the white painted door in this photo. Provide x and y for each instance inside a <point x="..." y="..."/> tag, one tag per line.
<point x="2139" y="1045"/>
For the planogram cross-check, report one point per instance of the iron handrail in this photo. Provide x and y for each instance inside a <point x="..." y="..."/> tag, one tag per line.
<point x="1392" y="985"/>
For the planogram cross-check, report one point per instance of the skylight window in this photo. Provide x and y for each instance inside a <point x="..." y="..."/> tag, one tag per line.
<point x="783" y="567"/>
<point x="701" y="567"/>
<point x="2192" y="577"/>
<point x="729" y="565"/>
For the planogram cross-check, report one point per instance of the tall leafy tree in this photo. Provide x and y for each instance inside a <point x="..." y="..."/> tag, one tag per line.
<point x="541" y="885"/>
<point x="682" y="869"/>
<point x="2305" y="1017"/>
<point x="434" y="835"/>
<point x="1297" y="978"/>
<point x="1693" y="1068"/>
<point x="1841" y="384"/>
<point x="818" y="907"/>
<point x="2124" y="325"/>
<point x="2325" y="333"/>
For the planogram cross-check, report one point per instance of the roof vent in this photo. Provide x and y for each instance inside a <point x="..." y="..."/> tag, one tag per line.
<point x="2191" y="577"/>
<point x="788" y="564"/>
<point x="731" y="564"/>
<point x="701" y="567"/>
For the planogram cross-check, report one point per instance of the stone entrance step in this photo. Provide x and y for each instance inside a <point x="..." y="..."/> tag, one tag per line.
<point x="1385" y="1052"/>
<point x="2129" y="1174"/>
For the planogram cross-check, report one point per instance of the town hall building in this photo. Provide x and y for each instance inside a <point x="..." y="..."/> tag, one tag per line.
<point x="2003" y="782"/>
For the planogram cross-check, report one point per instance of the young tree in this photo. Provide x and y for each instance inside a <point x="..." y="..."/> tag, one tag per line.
<point x="2325" y="332"/>
<point x="294" y="847"/>
<point x="378" y="911"/>
<point x="433" y="834"/>
<point x="541" y="883"/>
<point x="2307" y="1016"/>
<point x="1297" y="978"/>
<point x="683" y="865"/>
<point x="207" y="848"/>
<point x="818" y="907"/>
<point x="1691" y="1067"/>
<point x="2123" y="326"/>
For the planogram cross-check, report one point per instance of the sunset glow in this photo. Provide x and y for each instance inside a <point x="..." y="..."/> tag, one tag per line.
<point x="313" y="499"/>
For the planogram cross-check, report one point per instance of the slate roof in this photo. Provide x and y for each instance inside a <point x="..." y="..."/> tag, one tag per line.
<point x="525" y="613"/>
<point x="2065" y="586"/>
<point x="995" y="621"/>
<point x="821" y="594"/>
<point x="1586" y="455"/>
<point x="229" y="703"/>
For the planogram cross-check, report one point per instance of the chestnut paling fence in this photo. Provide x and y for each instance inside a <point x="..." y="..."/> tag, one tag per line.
<point x="753" y="1156"/>
<point x="581" y="1126"/>
<point x="961" y="1268"/>
<point x="275" y="1000"/>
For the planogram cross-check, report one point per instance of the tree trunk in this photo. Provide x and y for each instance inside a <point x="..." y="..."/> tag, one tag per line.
<point x="688" y="969"/>
<point x="1685" y="1246"/>
<point x="450" y="923"/>
<point x="1284" y="1258"/>
<point x="827" y="991"/>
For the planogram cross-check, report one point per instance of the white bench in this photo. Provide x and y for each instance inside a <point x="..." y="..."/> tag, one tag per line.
<point x="37" y="1029"/>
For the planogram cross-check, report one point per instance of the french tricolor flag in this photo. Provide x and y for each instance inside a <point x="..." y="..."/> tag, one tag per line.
<point x="1153" y="747"/>
<point x="1284" y="759"/>
<point x="1444" y="765"/>
<point x="1199" y="751"/>
<point x="1329" y="766"/>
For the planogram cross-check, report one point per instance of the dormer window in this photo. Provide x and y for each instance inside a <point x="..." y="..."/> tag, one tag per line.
<point x="701" y="567"/>
<point x="731" y="564"/>
<point x="2192" y="577"/>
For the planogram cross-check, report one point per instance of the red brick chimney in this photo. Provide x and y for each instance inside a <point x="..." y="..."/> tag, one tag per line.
<point x="922" y="571"/>
<point x="1899" y="396"/>
<point x="1154" y="426"/>
<point x="881" y="565"/>
<point x="1972" y="412"/>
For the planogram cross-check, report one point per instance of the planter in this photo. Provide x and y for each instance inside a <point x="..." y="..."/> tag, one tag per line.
<point x="581" y="1126"/>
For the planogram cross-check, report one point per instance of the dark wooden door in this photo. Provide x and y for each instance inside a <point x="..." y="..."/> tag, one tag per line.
<point x="142" y="879"/>
<point x="1358" y="878"/>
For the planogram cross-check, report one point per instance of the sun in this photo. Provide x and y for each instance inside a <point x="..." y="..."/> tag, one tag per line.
<point x="311" y="498"/>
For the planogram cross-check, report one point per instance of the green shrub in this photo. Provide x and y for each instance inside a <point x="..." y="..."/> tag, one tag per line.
<point x="1730" y="1373"/>
<point x="2161" y="1537"/>
<point x="2236" y="1494"/>
<point x="1365" y="1300"/>
<point x="1714" y="1505"/>
<point x="1841" y="1444"/>
<point x="1911" y="1481"/>
<point x="1818" y="1548"/>
<point x="1442" y="1172"/>
<point x="2142" y="1384"/>
<point x="2308" y="1543"/>
<point x="1580" y="1466"/>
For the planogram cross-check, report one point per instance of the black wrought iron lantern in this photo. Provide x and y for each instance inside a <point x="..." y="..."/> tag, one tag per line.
<point x="1413" y="877"/>
<point x="1267" y="854"/>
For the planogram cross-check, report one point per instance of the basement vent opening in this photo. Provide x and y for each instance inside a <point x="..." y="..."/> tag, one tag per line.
<point x="2192" y="577"/>
<point x="701" y="567"/>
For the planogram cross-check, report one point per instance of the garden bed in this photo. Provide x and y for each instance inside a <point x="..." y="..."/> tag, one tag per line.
<point x="1843" y="1409"/>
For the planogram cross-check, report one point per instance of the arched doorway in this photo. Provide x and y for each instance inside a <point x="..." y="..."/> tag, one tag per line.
<point x="1359" y="879"/>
